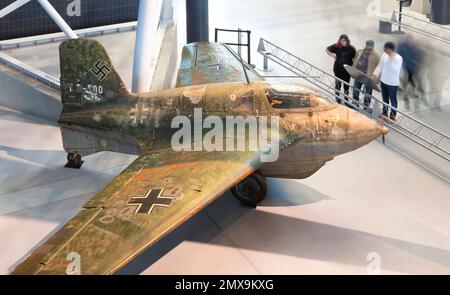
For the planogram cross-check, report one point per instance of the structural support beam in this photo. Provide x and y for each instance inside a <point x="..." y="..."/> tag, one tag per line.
<point x="13" y="6"/>
<point x="51" y="11"/>
<point x="147" y="25"/>
<point x="197" y="21"/>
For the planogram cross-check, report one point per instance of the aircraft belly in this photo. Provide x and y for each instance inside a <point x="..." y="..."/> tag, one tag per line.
<point x="300" y="160"/>
<point x="292" y="169"/>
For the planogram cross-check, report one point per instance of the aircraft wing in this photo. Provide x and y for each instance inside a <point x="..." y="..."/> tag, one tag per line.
<point x="154" y="195"/>
<point x="203" y="63"/>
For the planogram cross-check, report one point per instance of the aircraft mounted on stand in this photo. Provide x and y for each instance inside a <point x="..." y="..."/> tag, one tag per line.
<point x="166" y="185"/>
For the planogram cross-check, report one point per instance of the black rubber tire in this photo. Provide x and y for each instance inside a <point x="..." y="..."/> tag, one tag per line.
<point x="74" y="160"/>
<point x="70" y="156"/>
<point x="77" y="159"/>
<point x="252" y="190"/>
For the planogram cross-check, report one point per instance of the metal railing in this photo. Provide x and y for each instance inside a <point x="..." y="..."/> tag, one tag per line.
<point x="29" y="71"/>
<point x="426" y="136"/>
<point x="420" y="26"/>
<point x="239" y="43"/>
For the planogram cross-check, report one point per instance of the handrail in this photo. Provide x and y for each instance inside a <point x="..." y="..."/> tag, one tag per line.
<point x="420" y="26"/>
<point x="239" y="44"/>
<point x="417" y="131"/>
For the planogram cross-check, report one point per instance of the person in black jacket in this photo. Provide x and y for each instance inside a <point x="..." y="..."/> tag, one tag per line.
<point x="343" y="53"/>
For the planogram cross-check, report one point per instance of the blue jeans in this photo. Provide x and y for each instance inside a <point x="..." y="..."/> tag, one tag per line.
<point x="357" y="86"/>
<point x="389" y="94"/>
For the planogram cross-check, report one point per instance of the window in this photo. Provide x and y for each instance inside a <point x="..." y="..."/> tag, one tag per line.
<point x="291" y="97"/>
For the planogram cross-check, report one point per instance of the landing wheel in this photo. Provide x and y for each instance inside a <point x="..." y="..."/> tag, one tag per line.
<point x="74" y="160"/>
<point x="251" y="190"/>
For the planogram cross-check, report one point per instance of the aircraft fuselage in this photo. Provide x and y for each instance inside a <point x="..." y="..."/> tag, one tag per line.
<point x="316" y="130"/>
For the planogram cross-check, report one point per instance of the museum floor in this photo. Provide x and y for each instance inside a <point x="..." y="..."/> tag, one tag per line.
<point x="369" y="201"/>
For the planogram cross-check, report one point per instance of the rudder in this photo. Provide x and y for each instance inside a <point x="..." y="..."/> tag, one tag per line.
<point x="88" y="78"/>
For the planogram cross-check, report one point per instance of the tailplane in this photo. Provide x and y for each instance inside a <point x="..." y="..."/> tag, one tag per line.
<point x="88" y="78"/>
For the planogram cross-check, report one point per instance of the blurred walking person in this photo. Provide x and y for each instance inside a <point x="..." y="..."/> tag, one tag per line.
<point x="366" y="61"/>
<point x="343" y="53"/>
<point x="413" y="57"/>
<point x="388" y="72"/>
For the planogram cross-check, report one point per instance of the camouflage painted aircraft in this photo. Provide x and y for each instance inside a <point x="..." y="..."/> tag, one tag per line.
<point x="163" y="188"/>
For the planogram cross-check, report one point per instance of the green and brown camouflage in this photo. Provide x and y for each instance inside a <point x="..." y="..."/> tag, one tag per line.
<point x="100" y="114"/>
<point x="209" y="63"/>
<point x="107" y="233"/>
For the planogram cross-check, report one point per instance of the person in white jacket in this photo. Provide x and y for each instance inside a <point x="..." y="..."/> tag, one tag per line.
<point x="388" y="72"/>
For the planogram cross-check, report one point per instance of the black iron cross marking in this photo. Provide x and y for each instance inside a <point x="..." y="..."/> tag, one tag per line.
<point x="152" y="198"/>
<point x="100" y="70"/>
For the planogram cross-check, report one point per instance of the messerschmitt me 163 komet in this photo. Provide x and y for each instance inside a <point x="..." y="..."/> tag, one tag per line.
<point x="164" y="186"/>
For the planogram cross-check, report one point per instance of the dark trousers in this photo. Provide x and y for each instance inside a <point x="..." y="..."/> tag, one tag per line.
<point x="343" y="75"/>
<point x="411" y="76"/>
<point x="389" y="94"/>
<point x="367" y="96"/>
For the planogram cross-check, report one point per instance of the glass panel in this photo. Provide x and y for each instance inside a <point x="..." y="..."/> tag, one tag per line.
<point x="291" y="97"/>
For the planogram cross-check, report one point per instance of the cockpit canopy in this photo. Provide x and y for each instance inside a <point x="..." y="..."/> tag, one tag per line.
<point x="285" y="96"/>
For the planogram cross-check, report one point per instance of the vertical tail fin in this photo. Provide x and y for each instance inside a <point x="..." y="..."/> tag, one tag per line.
<point x="88" y="79"/>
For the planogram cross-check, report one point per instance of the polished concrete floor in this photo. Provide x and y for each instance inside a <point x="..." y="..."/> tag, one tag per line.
<point x="370" y="200"/>
<point x="368" y="203"/>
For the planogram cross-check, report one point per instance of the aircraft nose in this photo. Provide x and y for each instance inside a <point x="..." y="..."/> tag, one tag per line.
<point x="383" y="129"/>
<point x="357" y="129"/>
<point x="337" y="131"/>
<point x="363" y="128"/>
